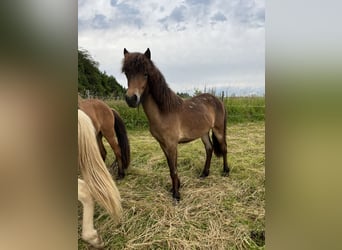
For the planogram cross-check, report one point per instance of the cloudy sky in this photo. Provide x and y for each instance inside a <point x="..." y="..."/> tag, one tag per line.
<point x="194" y="43"/>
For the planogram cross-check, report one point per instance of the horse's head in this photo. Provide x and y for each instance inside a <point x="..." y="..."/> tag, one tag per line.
<point x="135" y="66"/>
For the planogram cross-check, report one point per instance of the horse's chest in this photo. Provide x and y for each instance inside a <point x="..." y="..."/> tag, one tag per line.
<point x="163" y="132"/>
<point x="158" y="136"/>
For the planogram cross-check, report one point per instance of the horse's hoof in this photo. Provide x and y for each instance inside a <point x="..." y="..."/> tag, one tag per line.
<point x="99" y="246"/>
<point x="114" y="165"/>
<point x="225" y="174"/>
<point x="96" y="242"/>
<point x="203" y="175"/>
<point x="176" y="196"/>
<point x="175" y="201"/>
<point x="120" y="177"/>
<point x="111" y="171"/>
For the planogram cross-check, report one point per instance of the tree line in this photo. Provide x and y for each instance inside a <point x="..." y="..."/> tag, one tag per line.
<point x="94" y="83"/>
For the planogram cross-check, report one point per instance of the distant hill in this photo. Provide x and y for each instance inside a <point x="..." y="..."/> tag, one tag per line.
<point x="92" y="82"/>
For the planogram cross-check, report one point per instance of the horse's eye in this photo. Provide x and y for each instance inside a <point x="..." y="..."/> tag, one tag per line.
<point x="145" y="75"/>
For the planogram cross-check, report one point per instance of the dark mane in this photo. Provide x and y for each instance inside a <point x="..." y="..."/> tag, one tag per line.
<point x="166" y="99"/>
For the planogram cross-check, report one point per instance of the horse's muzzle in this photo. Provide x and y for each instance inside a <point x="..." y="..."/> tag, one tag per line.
<point x="132" y="101"/>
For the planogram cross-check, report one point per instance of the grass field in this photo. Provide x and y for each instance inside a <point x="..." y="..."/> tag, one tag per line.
<point x="214" y="213"/>
<point x="240" y="109"/>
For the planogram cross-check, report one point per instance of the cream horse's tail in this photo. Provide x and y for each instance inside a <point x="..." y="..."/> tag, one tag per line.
<point x="94" y="170"/>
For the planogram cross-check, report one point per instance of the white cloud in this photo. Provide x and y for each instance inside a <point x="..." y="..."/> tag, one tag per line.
<point x="192" y="42"/>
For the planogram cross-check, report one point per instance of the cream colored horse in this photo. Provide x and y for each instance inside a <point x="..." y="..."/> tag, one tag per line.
<point x="97" y="184"/>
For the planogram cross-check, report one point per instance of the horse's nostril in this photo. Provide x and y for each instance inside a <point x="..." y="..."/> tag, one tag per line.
<point x="131" y="98"/>
<point x="132" y="101"/>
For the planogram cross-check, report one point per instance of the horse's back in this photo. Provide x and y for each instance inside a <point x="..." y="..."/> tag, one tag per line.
<point x="209" y="100"/>
<point x="94" y="104"/>
<point x="99" y="112"/>
<point x="203" y="106"/>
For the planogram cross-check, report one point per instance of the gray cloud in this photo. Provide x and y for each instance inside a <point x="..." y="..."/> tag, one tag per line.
<point x="248" y="13"/>
<point x="178" y="14"/>
<point x="176" y="19"/>
<point x="128" y="16"/>
<point x="219" y="17"/>
<point x="189" y="14"/>
<point x="100" y="22"/>
<point x="113" y="2"/>
<point x="198" y="2"/>
<point x="127" y="10"/>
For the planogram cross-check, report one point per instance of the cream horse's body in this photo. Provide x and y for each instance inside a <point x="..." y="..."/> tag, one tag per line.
<point x="97" y="184"/>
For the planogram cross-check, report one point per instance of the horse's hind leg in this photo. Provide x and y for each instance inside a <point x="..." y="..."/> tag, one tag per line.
<point x="89" y="234"/>
<point x="109" y="135"/>
<point x="225" y="165"/>
<point x="224" y="155"/>
<point x="220" y="148"/>
<point x="209" y="152"/>
<point x="101" y="146"/>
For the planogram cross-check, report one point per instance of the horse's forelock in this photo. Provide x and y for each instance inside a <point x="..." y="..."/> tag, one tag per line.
<point x="135" y="63"/>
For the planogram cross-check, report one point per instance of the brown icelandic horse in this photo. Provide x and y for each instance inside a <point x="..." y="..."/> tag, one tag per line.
<point x="97" y="182"/>
<point x="108" y="123"/>
<point x="173" y="120"/>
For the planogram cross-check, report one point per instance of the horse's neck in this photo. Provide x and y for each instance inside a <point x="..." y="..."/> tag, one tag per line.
<point x="151" y="109"/>
<point x="156" y="118"/>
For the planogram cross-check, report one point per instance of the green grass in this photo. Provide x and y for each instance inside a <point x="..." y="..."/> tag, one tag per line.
<point x="214" y="213"/>
<point x="245" y="109"/>
<point x="240" y="109"/>
<point x="134" y="118"/>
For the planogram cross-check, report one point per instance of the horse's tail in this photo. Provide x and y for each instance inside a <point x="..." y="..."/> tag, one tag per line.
<point x="218" y="150"/>
<point x="94" y="170"/>
<point x="121" y="134"/>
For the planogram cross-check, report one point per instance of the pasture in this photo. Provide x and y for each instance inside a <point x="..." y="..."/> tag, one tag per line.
<point x="214" y="213"/>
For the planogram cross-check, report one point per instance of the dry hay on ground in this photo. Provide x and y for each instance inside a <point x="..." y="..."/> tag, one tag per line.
<point x="214" y="213"/>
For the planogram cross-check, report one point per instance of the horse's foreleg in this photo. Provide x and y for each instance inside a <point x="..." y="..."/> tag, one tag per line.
<point x="171" y="156"/>
<point x="209" y="152"/>
<point x="89" y="234"/>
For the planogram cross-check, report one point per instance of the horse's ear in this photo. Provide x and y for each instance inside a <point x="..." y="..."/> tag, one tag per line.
<point x="125" y="51"/>
<point x="148" y="53"/>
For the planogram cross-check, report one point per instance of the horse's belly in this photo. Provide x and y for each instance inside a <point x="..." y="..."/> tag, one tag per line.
<point x="188" y="137"/>
<point x="185" y="140"/>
